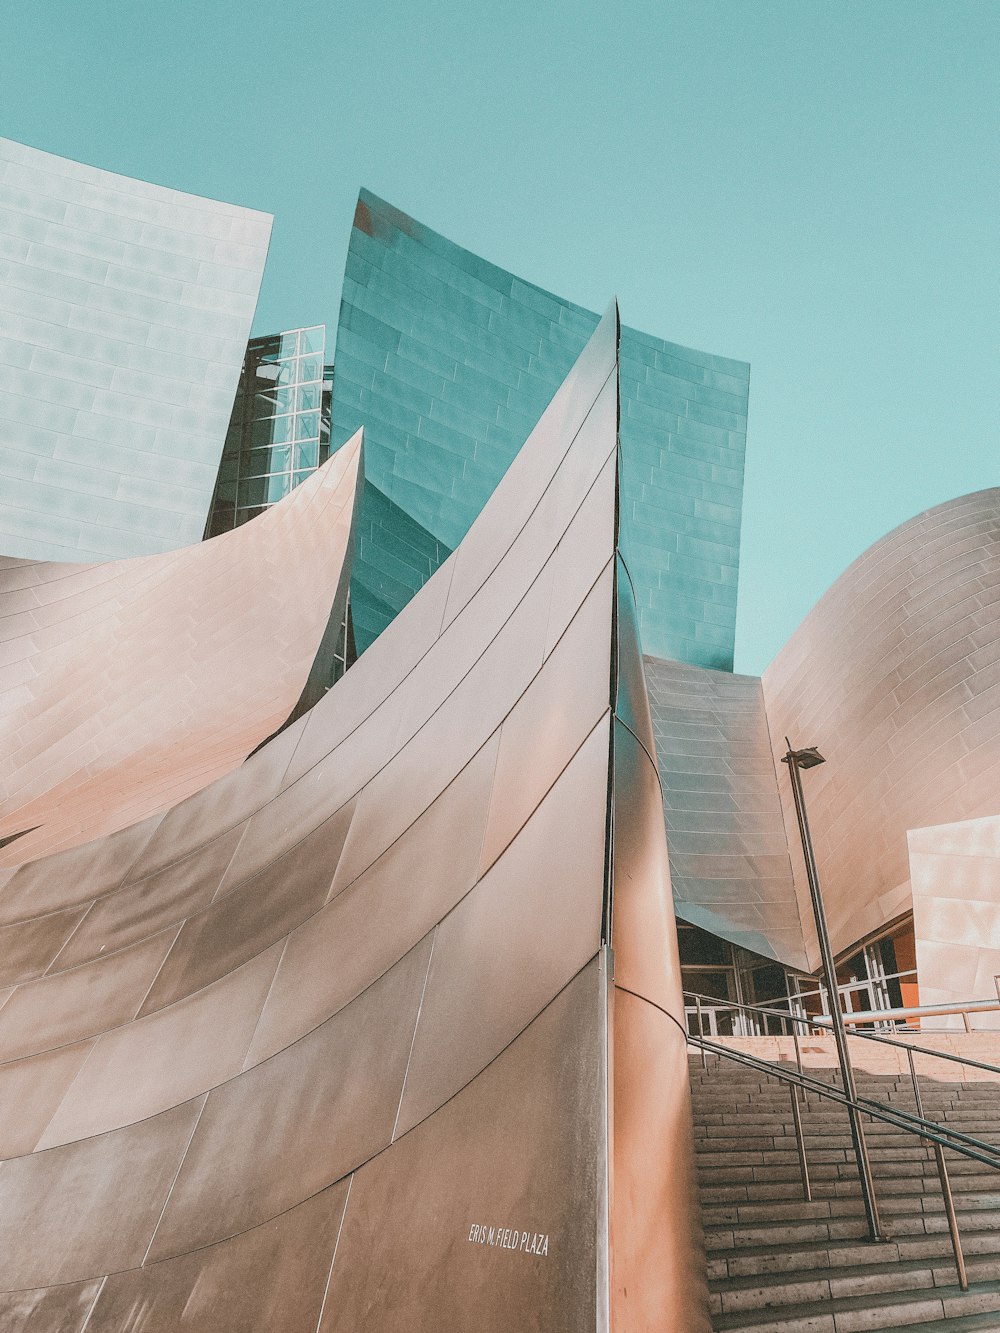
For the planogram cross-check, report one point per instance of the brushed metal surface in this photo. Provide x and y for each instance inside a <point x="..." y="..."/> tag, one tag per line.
<point x="129" y="685"/>
<point x="31" y="1091"/>
<point x="271" y="1277"/>
<point x="125" y="308"/>
<point x="148" y="1066"/>
<point x="955" y="883"/>
<point x="361" y="932"/>
<point x="895" y="676"/>
<point x="657" y="1251"/>
<point x="529" y="925"/>
<point x="90" y="1207"/>
<point x="48" y="1308"/>
<point x="299" y="1121"/>
<point x="520" y="1149"/>
<point x="352" y="846"/>
<point x="729" y="860"/>
<point x="82" y="1001"/>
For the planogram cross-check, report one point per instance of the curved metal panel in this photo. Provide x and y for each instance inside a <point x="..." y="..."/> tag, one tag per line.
<point x="895" y="676"/>
<point x="127" y="686"/>
<point x="657" y="1250"/>
<point x="729" y="861"/>
<point x="125" y="310"/>
<point x="331" y="846"/>
<point x="448" y="360"/>
<point x="955" y="881"/>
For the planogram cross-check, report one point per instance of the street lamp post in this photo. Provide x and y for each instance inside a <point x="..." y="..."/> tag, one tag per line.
<point x="796" y="761"/>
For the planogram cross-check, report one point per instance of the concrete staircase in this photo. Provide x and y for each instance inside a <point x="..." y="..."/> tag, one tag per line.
<point x="777" y="1264"/>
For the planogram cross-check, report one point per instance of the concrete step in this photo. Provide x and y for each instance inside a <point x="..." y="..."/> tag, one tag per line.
<point x="873" y="1310"/>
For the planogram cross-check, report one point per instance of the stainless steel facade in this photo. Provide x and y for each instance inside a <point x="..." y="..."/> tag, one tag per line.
<point x="124" y="315"/>
<point x="729" y="860"/>
<point x="448" y="361"/>
<point x="128" y="685"/>
<point x="895" y="676"/>
<point x="335" y="1042"/>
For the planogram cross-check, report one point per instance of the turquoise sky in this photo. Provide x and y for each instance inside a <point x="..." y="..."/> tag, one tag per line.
<point x="809" y="185"/>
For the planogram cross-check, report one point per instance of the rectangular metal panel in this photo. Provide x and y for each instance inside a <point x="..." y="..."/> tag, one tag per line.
<point x="154" y="1063"/>
<point x="83" y="1001"/>
<point x="527" y="927"/>
<point x="487" y="1215"/>
<point x="294" y="1124"/>
<point x="271" y="1279"/>
<point x="111" y="1191"/>
<point x="361" y="932"/>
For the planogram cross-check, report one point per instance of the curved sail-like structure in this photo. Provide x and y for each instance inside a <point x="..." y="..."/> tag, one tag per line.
<point x="895" y="675"/>
<point x="384" y="1028"/>
<point x="124" y="315"/>
<point x="448" y="360"/>
<point x="129" y="685"/>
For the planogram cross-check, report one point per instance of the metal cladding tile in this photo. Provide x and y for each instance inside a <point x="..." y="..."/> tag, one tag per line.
<point x="251" y="916"/>
<point x="657" y="1251"/>
<point x="276" y="1134"/>
<point x="272" y="1277"/>
<point x="30" y="1093"/>
<point x="526" y="928"/>
<point x="149" y="905"/>
<point x="497" y="1157"/>
<point x="73" y="877"/>
<point x="371" y="923"/>
<point x="86" y="1000"/>
<point x="226" y="804"/>
<point x="643" y="933"/>
<point x="157" y="1062"/>
<point x="91" y="1207"/>
<point x="423" y="767"/>
<point x="303" y="828"/>
<point x="552" y="717"/>
<point x="27" y="948"/>
<point x="65" y="1308"/>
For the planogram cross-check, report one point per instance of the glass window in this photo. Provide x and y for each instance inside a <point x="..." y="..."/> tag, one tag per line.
<point x="288" y="345"/>
<point x="277" y="431"/>
<point x="310" y="368"/>
<point x="312" y="340"/>
<point x="309" y="397"/>
<point x="259" y="462"/>
<point x="252" y="492"/>
<point x="245" y="515"/>
<point x="278" y="487"/>
<point x="307" y="455"/>
<point x="307" y="426"/>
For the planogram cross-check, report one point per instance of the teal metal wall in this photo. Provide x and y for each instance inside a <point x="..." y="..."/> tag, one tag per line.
<point x="448" y="362"/>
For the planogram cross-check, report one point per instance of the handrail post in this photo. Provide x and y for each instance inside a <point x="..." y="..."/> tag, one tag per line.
<point x="793" y="758"/>
<point x="798" y="1053"/>
<point x="701" y="1032"/>
<point x="800" y="1143"/>
<point x="942" y="1168"/>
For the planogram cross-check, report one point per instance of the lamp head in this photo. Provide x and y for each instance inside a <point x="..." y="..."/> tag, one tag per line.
<point x="809" y="757"/>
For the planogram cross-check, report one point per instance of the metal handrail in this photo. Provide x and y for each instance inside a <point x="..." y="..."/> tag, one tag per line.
<point x="939" y="1136"/>
<point x="916" y="1125"/>
<point x="815" y="1022"/>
